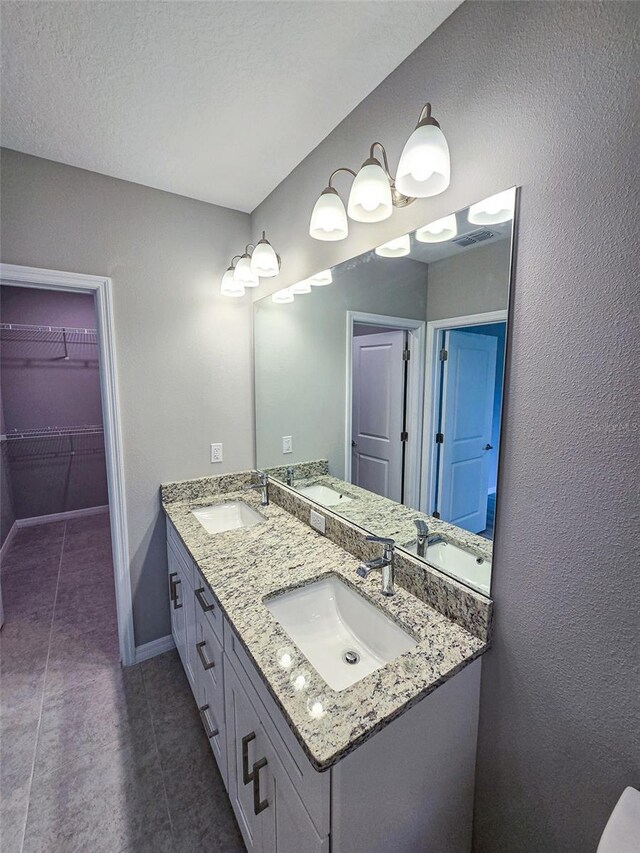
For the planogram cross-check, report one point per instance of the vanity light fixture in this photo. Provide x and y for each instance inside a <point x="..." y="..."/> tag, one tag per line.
<point x="397" y="248"/>
<point x="438" y="231"/>
<point x="493" y="210"/>
<point x="259" y="261"/>
<point x="301" y="287"/>
<point x="424" y="170"/>
<point x="281" y="297"/>
<point x="321" y="279"/>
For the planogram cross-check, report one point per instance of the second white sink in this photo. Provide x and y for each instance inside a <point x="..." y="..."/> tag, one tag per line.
<point x="460" y="564"/>
<point x="323" y="495"/>
<point x="227" y="516"/>
<point x="339" y="632"/>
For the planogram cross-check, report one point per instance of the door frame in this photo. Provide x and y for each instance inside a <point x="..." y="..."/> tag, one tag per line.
<point x="415" y="395"/>
<point x="101" y="288"/>
<point x="434" y="327"/>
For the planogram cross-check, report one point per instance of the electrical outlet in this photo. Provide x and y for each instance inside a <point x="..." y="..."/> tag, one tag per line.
<point x="317" y="521"/>
<point x="287" y="444"/>
<point x="216" y="453"/>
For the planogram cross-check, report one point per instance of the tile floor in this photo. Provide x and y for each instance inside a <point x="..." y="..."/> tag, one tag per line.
<point x="94" y="757"/>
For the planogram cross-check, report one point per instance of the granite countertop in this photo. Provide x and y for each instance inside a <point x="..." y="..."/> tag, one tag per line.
<point x="384" y="517"/>
<point x="243" y="567"/>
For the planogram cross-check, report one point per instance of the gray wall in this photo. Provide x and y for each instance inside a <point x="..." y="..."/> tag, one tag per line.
<point x="300" y="358"/>
<point x="7" y="514"/>
<point x="543" y="95"/>
<point x="183" y="351"/>
<point x="470" y="283"/>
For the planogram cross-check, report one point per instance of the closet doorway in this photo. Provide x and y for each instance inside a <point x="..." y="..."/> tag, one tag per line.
<point x="61" y="446"/>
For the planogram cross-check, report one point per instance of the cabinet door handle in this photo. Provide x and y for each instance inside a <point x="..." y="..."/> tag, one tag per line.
<point x="210" y="732"/>
<point x="202" y="601"/>
<point x="207" y="664"/>
<point x="246" y="740"/>
<point x="258" y="804"/>
<point x="174" y="590"/>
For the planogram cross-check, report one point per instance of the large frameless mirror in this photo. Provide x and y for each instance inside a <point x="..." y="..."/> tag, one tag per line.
<point x="379" y="386"/>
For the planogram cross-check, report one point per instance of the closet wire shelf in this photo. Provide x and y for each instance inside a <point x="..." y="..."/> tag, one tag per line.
<point x="66" y="340"/>
<point x="54" y="442"/>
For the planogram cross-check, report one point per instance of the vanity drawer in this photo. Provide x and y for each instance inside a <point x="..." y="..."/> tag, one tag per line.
<point x="209" y="663"/>
<point x="312" y="787"/>
<point x="211" y="708"/>
<point x="207" y="606"/>
<point x="175" y="543"/>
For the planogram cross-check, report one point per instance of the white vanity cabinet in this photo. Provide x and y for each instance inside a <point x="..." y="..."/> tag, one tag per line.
<point x="409" y="788"/>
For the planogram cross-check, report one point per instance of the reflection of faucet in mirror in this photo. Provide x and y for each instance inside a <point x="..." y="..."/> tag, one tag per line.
<point x="384" y="563"/>
<point x="263" y="485"/>
<point x="422" y="537"/>
<point x="291" y="476"/>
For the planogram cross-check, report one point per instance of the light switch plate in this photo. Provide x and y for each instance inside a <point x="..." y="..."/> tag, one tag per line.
<point x="317" y="521"/>
<point x="216" y="453"/>
<point x="287" y="444"/>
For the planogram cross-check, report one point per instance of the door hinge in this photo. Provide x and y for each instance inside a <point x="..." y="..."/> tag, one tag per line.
<point x="406" y="355"/>
<point x="444" y="355"/>
<point x="404" y="436"/>
<point x="439" y="438"/>
<point x="435" y="513"/>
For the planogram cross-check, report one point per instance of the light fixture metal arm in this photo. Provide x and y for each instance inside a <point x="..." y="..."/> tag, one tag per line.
<point x="384" y="158"/>
<point x="335" y="172"/>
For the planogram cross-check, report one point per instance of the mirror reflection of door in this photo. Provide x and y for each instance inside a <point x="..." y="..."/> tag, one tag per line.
<point x="470" y="404"/>
<point x="378" y="410"/>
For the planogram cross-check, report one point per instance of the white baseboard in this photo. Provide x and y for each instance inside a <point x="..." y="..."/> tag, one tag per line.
<point x="7" y="542"/>
<point x="155" y="647"/>
<point x="60" y="516"/>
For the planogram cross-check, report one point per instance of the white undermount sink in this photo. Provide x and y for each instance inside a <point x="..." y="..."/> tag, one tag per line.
<point x="231" y="515"/>
<point x="339" y="632"/>
<point x="467" y="567"/>
<point x="323" y="495"/>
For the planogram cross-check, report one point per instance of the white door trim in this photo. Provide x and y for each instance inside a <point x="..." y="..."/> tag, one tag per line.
<point x="415" y="395"/>
<point x="101" y="287"/>
<point x="427" y="497"/>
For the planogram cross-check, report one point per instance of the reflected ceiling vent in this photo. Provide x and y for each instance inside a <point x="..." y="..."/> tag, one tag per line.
<point x="474" y="237"/>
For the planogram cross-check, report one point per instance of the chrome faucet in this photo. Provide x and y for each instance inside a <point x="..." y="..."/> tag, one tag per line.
<point x="422" y="539"/>
<point x="384" y="563"/>
<point x="291" y="476"/>
<point x="263" y="485"/>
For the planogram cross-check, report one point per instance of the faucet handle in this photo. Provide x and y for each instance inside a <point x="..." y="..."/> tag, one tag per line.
<point x="383" y="540"/>
<point x="421" y="526"/>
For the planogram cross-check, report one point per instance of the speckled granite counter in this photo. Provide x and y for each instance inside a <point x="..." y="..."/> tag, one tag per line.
<point x="242" y="567"/>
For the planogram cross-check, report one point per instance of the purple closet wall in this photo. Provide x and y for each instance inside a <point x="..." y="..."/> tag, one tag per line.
<point x="41" y="389"/>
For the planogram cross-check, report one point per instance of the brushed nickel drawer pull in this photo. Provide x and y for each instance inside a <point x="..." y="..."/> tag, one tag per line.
<point x="175" y="583"/>
<point x="207" y="664"/>
<point x="172" y="590"/>
<point x="210" y="732"/>
<point x="258" y="804"/>
<point x="202" y="601"/>
<point x="246" y="740"/>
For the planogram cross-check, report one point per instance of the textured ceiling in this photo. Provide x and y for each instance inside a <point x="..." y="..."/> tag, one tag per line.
<point x="214" y="100"/>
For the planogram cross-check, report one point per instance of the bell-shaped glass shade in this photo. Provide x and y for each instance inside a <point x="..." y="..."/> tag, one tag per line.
<point x="438" y="231"/>
<point x="303" y="286"/>
<point x="370" y="196"/>
<point x="243" y="274"/>
<point x="264" y="261"/>
<point x="329" y="218"/>
<point x="282" y="296"/>
<point x="424" y="168"/>
<point x="229" y="286"/>
<point x="320" y="279"/>
<point x="397" y="248"/>
<point x="493" y="210"/>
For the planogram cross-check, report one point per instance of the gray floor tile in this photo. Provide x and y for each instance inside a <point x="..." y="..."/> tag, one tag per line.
<point x="24" y="645"/>
<point x="168" y="692"/>
<point x="155" y="841"/>
<point x="14" y="802"/>
<point x="211" y="829"/>
<point x="110" y="712"/>
<point x="103" y="803"/>
<point x="77" y="657"/>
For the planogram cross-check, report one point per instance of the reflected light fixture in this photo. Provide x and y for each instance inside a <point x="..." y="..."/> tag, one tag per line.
<point x="264" y="261"/>
<point x="397" y="248"/>
<point x="300" y="287"/>
<point x="493" y="210"/>
<point x="424" y="170"/>
<point x="438" y="231"/>
<point x="321" y="279"/>
<point x="281" y="297"/>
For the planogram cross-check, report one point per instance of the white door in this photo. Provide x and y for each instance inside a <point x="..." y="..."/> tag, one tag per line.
<point x="467" y="414"/>
<point x="377" y="414"/>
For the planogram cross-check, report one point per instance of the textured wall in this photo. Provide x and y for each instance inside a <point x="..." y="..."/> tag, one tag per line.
<point x="41" y="389"/>
<point x="183" y="351"/>
<point x="544" y="95"/>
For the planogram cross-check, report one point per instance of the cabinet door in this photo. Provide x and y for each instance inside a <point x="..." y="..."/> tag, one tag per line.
<point x="210" y="679"/>
<point x="176" y="604"/>
<point x="213" y="721"/>
<point x="246" y="748"/>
